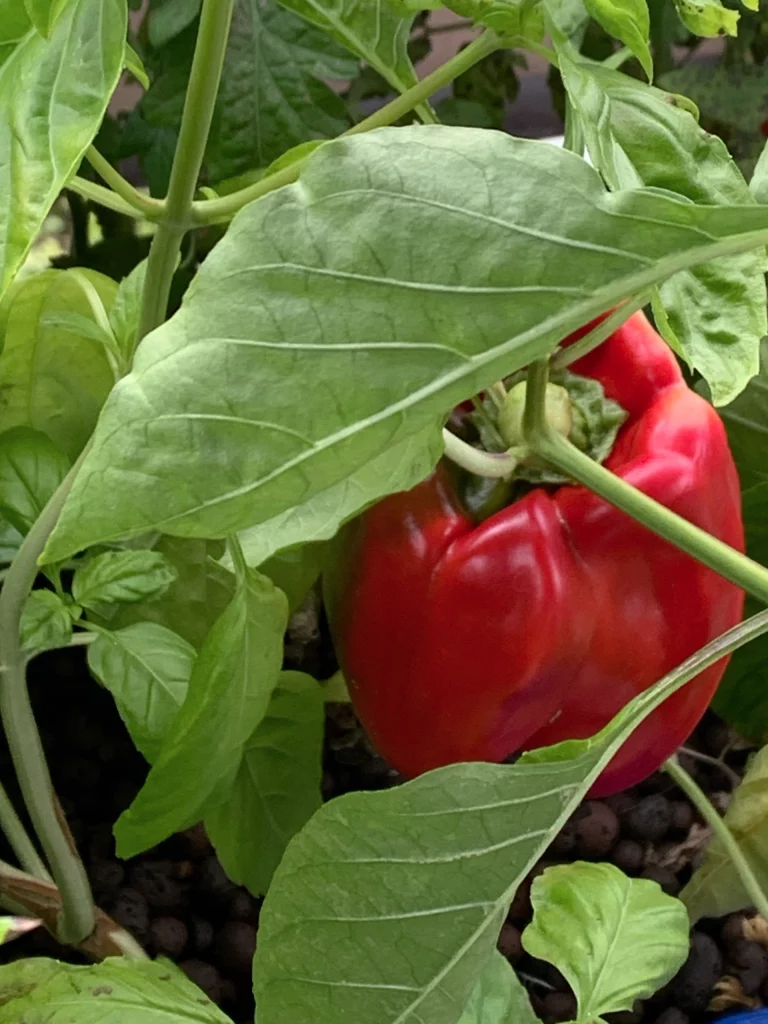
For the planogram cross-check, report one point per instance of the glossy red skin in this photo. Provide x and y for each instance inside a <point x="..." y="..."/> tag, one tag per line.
<point x="466" y="642"/>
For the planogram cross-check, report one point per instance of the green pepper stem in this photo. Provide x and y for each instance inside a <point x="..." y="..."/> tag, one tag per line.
<point x="199" y="102"/>
<point x="493" y="465"/>
<point x="77" y="915"/>
<point x="214" y="211"/>
<point x="721" y="831"/>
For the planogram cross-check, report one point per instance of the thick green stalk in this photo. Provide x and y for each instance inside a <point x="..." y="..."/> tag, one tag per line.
<point x="726" y="838"/>
<point x="214" y="211"/>
<point x="199" y="102"/>
<point x="77" y="915"/>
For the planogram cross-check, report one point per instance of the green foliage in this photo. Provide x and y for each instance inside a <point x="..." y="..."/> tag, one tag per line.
<point x="615" y="939"/>
<point x="277" y="787"/>
<point x="53" y="95"/>
<point x="120" y="989"/>
<point x="383" y="302"/>
<point x="629" y="21"/>
<point x="122" y="576"/>
<point x="707" y="17"/>
<point x="498" y="997"/>
<point x="46" y="622"/>
<point x="716" y="888"/>
<point x="31" y="468"/>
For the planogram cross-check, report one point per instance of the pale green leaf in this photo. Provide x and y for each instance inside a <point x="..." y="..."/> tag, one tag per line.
<point x="122" y="576"/>
<point x="708" y="17"/>
<point x="53" y="96"/>
<point x="615" y="939"/>
<point x="637" y="135"/>
<point x="135" y="65"/>
<point x="498" y="997"/>
<point x="398" y="468"/>
<point x="716" y="888"/>
<point x="119" y="990"/>
<point x="629" y="22"/>
<point x="514" y="18"/>
<point x="124" y="315"/>
<point x="229" y="691"/>
<point x="15" y="24"/>
<point x="758" y="186"/>
<point x="45" y="622"/>
<point x="277" y="787"/>
<point x="146" y="668"/>
<point x="345" y="290"/>
<point x="43" y="14"/>
<point x="387" y="906"/>
<point x="53" y="378"/>
<point x="31" y="468"/>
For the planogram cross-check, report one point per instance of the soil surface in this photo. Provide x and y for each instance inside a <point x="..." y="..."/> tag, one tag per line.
<point x="177" y="901"/>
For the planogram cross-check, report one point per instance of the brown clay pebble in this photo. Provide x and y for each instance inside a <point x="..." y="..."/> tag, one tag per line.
<point x="521" y="904"/>
<point x="665" y="877"/>
<point x="749" y="962"/>
<point x="154" y="879"/>
<point x="195" y="842"/>
<point x="131" y="910"/>
<point x="564" y="842"/>
<point x="732" y="930"/>
<point x="234" y="946"/>
<point x="229" y="993"/>
<point x="205" y="976"/>
<point x="201" y="934"/>
<point x="559" y="1006"/>
<point x="692" y="986"/>
<point x="509" y="943"/>
<point x="241" y="906"/>
<point x="596" y="829"/>
<point x="682" y="816"/>
<point x="169" y="936"/>
<point x="106" y="878"/>
<point x="213" y="884"/>
<point x="650" y="819"/>
<point x="673" y="1016"/>
<point x="634" y="1016"/>
<point x="628" y="855"/>
<point x="620" y="803"/>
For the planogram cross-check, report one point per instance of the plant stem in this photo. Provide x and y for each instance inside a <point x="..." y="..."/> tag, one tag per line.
<point x="199" y="102"/>
<point x="213" y="211"/>
<point x="21" y="844"/>
<point x="493" y="465"/>
<point x="722" y="832"/>
<point x="104" y="197"/>
<point x="708" y="550"/>
<point x="77" y="912"/>
<point x="697" y="755"/>
<point x="599" y="334"/>
<point x="144" y="205"/>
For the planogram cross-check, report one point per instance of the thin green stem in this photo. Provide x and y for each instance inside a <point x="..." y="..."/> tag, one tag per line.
<point x="81" y="639"/>
<point x="104" y="197"/>
<point x="599" y="334"/>
<point x="618" y="58"/>
<point x="21" y="844"/>
<point x="490" y="464"/>
<point x="697" y="755"/>
<point x="144" y="205"/>
<point x="214" y="211"/>
<point x="708" y="550"/>
<point x="235" y="551"/>
<point x="573" y="139"/>
<point x="199" y="102"/>
<point x="77" y="917"/>
<point x="726" y="838"/>
<point x="534" y="413"/>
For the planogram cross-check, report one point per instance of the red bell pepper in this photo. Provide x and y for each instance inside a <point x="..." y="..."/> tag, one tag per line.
<point x="467" y="641"/>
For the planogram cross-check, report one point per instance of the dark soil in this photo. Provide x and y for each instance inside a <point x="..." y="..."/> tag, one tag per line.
<point x="177" y="901"/>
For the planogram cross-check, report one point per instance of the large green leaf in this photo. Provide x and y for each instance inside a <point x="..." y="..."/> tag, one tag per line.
<point x="45" y="622"/>
<point x="116" y="990"/>
<point x="345" y="313"/>
<point x="31" y="468"/>
<point x="53" y="96"/>
<point x="636" y="136"/>
<point x="167" y="18"/>
<point x="146" y="668"/>
<point x="53" y="378"/>
<point x="229" y="690"/>
<point x="716" y="888"/>
<point x="512" y="18"/>
<point x="122" y="576"/>
<point x="277" y="786"/>
<point x="498" y="997"/>
<point x="615" y="939"/>
<point x="404" y="891"/>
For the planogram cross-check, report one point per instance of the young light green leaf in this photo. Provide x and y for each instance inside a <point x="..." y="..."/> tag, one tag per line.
<point x="43" y="14"/>
<point x="498" y="997"/>
<point x="758" y="186"/>
<point x="55" y="379"/>
<point x="122" y="576"/>
<point x="147" y="669"/>
<point x="636" y="136"/>
<point x="124" y="315"/>
<point x="202" y="590"/>
<point x="117" y="989"/>
<point x="229" y="691"/>
<point x="716" y="888"/>
<point x="167" y="18"/>
<point x="31" y="468"/>
<point x="76" y="323"/>
<point x="379" y="330"/>
<point x="397" y="468"/>
<point x="513" y="18"/>
<point x="53" y="96"/>
<point x="46" y="622"/>
<point x="277" y="786"/>
<point x="135" y="65"/>
<point x="628" y="21"/>
<point x="615" y="939"/>
<point x="14" y="25"/>
<point x="708" y="17"/>
<point x="405" y="890"/>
